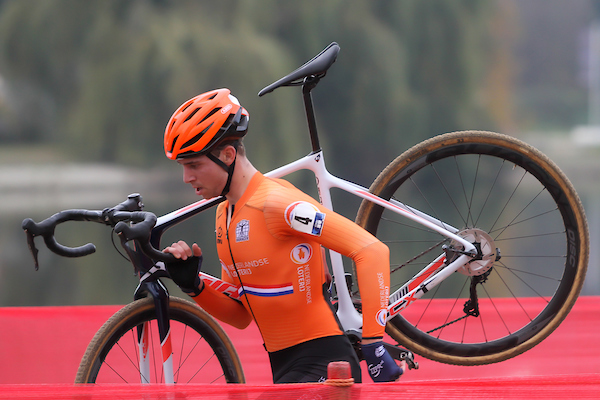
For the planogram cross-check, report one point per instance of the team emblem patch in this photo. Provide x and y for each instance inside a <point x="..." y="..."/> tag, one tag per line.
<point x="242" y="231"/>
<point x="381" y="316"/>
<point x="305" y="217"/>
<point x="301" y="254"/>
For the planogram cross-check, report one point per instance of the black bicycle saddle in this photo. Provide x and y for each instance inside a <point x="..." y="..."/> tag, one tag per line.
<point x="317" y="66"/>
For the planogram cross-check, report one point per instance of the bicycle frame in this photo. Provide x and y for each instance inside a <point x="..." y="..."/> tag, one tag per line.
<point x="350" y="319"/>
<point x="143" y="253"/>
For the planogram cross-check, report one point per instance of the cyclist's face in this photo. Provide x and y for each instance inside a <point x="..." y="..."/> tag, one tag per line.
<point x="206" y="177"/>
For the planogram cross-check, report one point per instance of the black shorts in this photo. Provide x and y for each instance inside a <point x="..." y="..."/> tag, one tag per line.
<point x="308" y="361"/>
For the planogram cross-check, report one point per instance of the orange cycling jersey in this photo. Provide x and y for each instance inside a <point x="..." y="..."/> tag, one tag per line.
<point x="271" y="249"/>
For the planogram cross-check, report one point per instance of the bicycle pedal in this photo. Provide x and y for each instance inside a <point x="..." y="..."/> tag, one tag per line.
<point x="398" y="353"/>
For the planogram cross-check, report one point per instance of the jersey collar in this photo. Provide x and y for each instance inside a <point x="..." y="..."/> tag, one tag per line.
<point x="255" y="182"/>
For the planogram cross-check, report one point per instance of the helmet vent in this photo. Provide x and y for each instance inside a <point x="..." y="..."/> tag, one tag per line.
<point x="191" y="115"/>
<point x="187" y="106"/>
<point x="173" y="144"/>
<point x="213" y="111"/>
<point x="196" y="137"/>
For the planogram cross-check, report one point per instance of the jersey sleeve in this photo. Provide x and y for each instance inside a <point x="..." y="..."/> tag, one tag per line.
<point x="223" y="307"/>
<point x="291" y="212"/>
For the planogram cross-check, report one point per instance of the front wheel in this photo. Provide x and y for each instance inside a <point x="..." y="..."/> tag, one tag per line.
<point x="527" y="222"/>
<point x="201" y="350"/>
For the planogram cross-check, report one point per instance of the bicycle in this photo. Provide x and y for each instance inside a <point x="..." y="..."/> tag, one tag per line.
<point x="493" y="228"/>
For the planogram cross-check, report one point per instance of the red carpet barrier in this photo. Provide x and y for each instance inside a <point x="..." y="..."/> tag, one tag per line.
<point x="563" y="387"/>
<point x="43" y="345"/>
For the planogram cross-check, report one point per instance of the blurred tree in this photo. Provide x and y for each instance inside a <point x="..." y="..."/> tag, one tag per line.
<point x="551" y="47"/>
<point x="101" y="78"/>
<point x="115" y="70"/>
<point x="407" y="71"/>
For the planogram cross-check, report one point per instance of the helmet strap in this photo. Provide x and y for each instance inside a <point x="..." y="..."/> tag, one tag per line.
<point x="228" y="168"/>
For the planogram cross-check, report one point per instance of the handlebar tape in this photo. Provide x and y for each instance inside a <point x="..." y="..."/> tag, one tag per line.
<point x="140" y="231"/>
<point x="46" y="230"/>
<point x="65" y="251"/>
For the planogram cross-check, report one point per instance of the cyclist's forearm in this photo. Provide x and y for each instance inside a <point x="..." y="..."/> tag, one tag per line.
<point x="373" y="276"/>
<point x="223" y="307"/>
<point x="372" y="261"/>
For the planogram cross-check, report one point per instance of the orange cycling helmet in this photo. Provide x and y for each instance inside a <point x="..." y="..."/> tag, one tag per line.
<point x="203" y="122"/>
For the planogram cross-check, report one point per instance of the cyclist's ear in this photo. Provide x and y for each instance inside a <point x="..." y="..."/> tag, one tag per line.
<point x="228" y="154"/>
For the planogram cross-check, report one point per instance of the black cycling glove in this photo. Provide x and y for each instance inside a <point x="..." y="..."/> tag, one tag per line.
<point x="185" y="273"/>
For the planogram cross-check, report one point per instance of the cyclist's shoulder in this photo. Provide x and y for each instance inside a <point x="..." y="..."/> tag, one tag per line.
<point x="278" y="183"/>
<point x="279" y="194"/>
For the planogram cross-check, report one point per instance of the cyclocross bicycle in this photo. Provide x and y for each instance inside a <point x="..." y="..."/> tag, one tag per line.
<point x="488" y="247"/>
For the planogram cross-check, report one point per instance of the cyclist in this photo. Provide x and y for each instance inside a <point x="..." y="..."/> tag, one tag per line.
<point x="269" y="236"/>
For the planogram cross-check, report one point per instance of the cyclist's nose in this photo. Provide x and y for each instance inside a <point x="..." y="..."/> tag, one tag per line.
<point x="188" y="176"/>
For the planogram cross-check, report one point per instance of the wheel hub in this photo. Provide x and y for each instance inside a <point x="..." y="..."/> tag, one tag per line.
<point x="487" y="252"/>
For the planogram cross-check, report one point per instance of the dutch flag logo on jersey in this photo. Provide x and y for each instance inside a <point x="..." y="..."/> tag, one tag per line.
<point x="267" y="290"/>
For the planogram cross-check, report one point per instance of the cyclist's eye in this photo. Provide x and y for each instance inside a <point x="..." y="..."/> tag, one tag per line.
<point x="191" y="166"/>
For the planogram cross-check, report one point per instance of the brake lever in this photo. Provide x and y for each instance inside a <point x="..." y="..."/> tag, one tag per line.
<point x="140" y="232"/>
<point x="32" y="248"/>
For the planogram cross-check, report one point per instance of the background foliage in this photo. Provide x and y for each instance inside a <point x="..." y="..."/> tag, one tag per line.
<point x="102" y="77"/>
<point x="95" y="81"/>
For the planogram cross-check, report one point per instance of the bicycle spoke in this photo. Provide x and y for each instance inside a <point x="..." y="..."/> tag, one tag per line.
<point x="470" y="201"/>
<point x="489" y="193"/>
<point x="514" y="270"/>
<point x="199" y="353"/>
<point x="202" y="367"/>
<point x="155" y="363"/>
<point x="493" y="303"/>
<point x="539" y="235"/>
<point x="508" y="201"/>
<point x="539" y="295"/>
<point x="116" y="372"/>
<point x="517" y="297"/>
<point x="182" y="359"/>
<point x="448" y="193"/>
<point x="502" y="197"/>
<point x="135" y="364"/>
<point x="429" y="302"/>
<point x="512" y="222"/>
<point x="447" y="321"/>
<point x="412" y="227"/>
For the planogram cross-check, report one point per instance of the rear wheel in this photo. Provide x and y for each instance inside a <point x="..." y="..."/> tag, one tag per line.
<point x="521" y="212"/>
<point x="201" y="350"/>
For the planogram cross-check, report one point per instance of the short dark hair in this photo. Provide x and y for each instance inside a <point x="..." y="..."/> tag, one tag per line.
<point x="237" y="144"/>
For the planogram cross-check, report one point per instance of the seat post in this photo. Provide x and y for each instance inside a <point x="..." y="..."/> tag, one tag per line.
<point x="309" y="84"/>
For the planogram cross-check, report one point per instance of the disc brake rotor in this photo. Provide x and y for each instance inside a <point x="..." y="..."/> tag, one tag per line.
<point x="487" y="252"/>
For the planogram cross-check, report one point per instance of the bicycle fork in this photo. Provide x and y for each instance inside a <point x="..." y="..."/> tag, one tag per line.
<point x="161" y="304"/>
